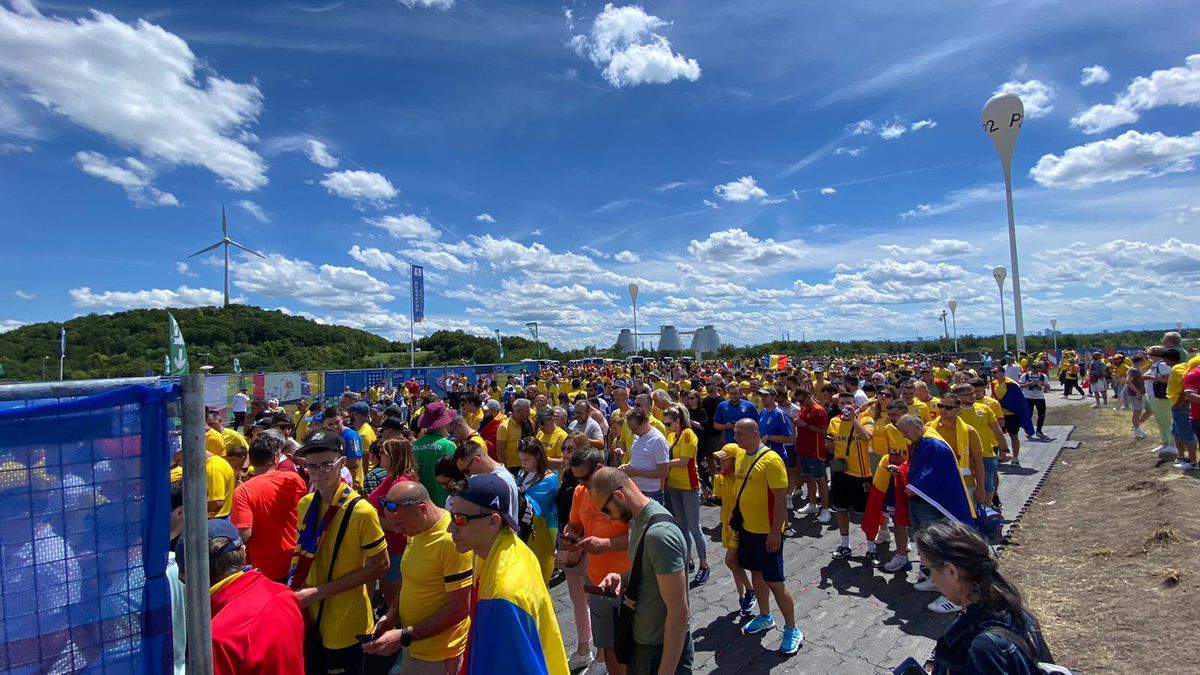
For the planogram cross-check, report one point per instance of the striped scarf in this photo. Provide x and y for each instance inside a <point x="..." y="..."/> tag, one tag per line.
<point x="309" y="536"/>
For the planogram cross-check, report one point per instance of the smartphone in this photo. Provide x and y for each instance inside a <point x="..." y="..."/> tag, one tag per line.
<point x="596" y="590"/>
<point x="364" y="638"/>
<point x="910" y="666"/>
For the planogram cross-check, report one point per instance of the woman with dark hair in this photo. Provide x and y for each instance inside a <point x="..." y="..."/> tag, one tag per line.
<point x="539" y="485"/>
<point x="395" y="457"/>
<point x="995" y="635"/>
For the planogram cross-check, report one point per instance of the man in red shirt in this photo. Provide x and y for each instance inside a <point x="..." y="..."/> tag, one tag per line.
<point x="811" y="426"/>
<point x="257" y="628"/>
<point x="492" y="419"/>
<point x="1191" y="394"/>
<point x="264" y="507"/>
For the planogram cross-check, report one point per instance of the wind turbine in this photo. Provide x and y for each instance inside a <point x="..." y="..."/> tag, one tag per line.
<point x="226" y="242"/>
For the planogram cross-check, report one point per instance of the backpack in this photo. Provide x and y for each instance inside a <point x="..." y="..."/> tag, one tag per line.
<point x="1048" y="667"/>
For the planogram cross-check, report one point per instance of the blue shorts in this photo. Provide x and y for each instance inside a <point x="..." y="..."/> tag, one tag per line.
<point x="811" y="467"/>
<point x="393" y="573"/>
<point x="753" y="556"/>
<point x="789" y="456"/>
<point x="990" y="469"/>
<point x="1181" y="426"/>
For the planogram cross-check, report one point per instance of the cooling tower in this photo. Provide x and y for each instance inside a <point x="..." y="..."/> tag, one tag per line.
<point x="669" y="340"/>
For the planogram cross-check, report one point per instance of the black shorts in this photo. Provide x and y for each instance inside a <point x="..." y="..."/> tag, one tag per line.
<point x="1012" y="424"/>
<point x="848" y="492"/>
<point x="753" y="556"/>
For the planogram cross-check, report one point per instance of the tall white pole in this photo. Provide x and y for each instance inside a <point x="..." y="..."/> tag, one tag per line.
<point x="998" y="273"/>
<point x="1002" y="118"/>
<point x="633" y="293"/>
<point x="1054" y="333"/>
<point x="954" y="322"/>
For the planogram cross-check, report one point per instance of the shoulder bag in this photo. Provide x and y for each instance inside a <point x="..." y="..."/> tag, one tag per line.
<point x="735" y="516"/>
<point x="314" y="650"/>
<point x="623" y="637"/>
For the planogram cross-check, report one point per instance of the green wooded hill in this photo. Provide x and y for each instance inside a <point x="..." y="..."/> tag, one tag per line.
<point x="127" y="344"/>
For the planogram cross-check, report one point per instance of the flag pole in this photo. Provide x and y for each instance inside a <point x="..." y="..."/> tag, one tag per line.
<point x="62" y="351"/>
<point x="412" y="310"/>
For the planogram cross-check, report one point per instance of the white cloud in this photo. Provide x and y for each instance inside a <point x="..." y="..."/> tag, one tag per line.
<point x="892" y="131"/>
<point x="10" y="324"/>
<point x="140" y="86"/>
<point x="435" y="4"/>
<point x="327" y="286"/>
<point x="937" y="248"/>
<point x="735" y="246"/>
<point x="484" y="218"/>
<point x="741" y="190"/>
<point x="627" y="257"/>
<point x="135" y="177"/>
<point x="1094" y="75"/>
<point x="254" y="210"/>
<point x="318" y="153"/>
<point x="667" y="187"/>
<point x="24" y="295"/>
<point x="594" y="252"/>
<point x="861" y="127"/>
<point x="407" y="226"/>
<point x="624" y="42"/>
<point x="956" y="200"/>
<point x="15" y="148"/>
<point x="1036" y="95"/>
<point x="1178" y="86"/>
<point x="363" y="187"/>
<point x="828" y="191"/>
<point x="183" y="269"/>
<point x="710" y="203"/>
<point x="154" y="298"/>
<point x="1120" y="262"/>
<point x="1133" y="154"/>
<point x="850" y="151"/>
<point x="922" y="124"/>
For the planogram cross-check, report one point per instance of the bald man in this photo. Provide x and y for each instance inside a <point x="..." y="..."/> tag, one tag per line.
<point x="661" y="635"/>
<point x="429" y="618"/>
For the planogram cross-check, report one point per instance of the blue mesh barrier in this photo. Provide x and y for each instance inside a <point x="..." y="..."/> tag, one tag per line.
<point x="84" y="529"/>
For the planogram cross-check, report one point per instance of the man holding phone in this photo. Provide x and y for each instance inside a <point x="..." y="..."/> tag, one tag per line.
<point x="430" y="617"/>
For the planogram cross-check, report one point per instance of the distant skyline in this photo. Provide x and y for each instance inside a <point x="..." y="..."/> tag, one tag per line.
<point x="760" y="166"/>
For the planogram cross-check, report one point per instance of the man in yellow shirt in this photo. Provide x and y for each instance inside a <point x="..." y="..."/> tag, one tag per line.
<point x="982" y="418"/>
<point x="430" y="618"/>
<point x="1181" y="428"/>
<point x="552" y="437"/>
<point x="214" y="442"/>
<point x="850" y="463"/>
<point x="360" y="421"/>
<point x="511" y="431"/>
<point x="472" y="409"/>
<point x="333" y="592"/>
<point x="219" y="481"/>
<point x="908" y="394"/>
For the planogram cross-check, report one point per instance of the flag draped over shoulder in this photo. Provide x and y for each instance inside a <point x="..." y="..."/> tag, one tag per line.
<point x="1012" y="399"/>
<point x="932" y="474"/>
<point x="886" y="491"/>
<point x="775" y="361"/>
<point x="308" y="538"/>
<point x="513" y="615"/>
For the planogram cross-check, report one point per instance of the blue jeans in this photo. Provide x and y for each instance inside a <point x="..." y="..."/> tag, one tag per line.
<point x="659" y="497"/>
<point x="921" y="513"/>
<point x="685" y="504"/>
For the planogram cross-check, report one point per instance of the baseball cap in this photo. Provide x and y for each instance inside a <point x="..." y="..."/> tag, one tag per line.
<point x="393" y="423"/>
<point x="491" y="492"/>
<point x="321" y="440"/>
<point x="729" y="450"/>
<point x="360" y="408"/>
<point x="217" y="528"/>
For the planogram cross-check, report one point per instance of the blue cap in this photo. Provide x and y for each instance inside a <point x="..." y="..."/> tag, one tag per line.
<point x="217" y="528"/>
<point x="360" y="408"/>
<point x="491" y="492"/>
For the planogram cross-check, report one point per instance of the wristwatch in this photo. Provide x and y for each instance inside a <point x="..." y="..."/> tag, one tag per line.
<point x="406" y="636"/>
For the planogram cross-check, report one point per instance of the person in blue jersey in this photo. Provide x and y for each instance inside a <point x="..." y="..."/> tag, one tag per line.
<point x="351" y="441"/>
<point x="513" y="621"/>
<point x="730" y="411"/>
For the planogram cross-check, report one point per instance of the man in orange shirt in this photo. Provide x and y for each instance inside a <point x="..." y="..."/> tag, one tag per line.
<point x="264" y="508"/>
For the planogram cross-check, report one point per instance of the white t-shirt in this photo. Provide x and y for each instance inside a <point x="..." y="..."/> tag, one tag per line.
<point x="648" y="451"/>
<point x="591" y="429"/>
<point x="239" y="402"/>
<point x="1037" y="383"/>
<point x="1013" y="371"/>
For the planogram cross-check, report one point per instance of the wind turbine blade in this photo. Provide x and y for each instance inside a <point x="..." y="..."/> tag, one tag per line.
<point x="224" y="224"/>
<point x="248" y="250"/>
<point x="206" y="250"/>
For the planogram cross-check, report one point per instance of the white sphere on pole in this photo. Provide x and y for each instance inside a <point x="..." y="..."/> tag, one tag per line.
<point x="1002" y="118"/>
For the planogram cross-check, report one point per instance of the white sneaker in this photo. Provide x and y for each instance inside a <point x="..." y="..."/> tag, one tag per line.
<point x="943" y="606"/>
<point x="580" y="661"/>
<point x="808" y="510"/>
<point x="1167" y="451"/>
<point x="884" y="536"/>
<point x="1183" y="465"/>
<point x="925" y="585"/>
<point x="824" y="517"/>
<point x="1094" y="405"/>
<point x="1139" y="434"/>
<point x="897" y="563"/>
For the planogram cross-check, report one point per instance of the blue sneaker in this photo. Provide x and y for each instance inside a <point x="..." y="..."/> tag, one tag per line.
<point x="791" y="641"/>
<point x="748" y="604"/>
<point x="759" y="624"/>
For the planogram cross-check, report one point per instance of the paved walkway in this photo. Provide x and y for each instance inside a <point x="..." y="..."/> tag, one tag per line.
<point x="855" y="618"/>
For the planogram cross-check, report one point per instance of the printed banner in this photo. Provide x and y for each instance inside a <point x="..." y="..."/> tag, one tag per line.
<point x="286" y="387"/>
<point x="418" y="294"/>
<point x="216" y="392"/>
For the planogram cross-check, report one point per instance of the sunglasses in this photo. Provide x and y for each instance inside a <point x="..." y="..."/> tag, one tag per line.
<point x="604" y="506"/>
<point x="395" y="506"/>
<point x="461" y="519"/>
<point x="884" y="394"/>
<point x="943" y="406"/>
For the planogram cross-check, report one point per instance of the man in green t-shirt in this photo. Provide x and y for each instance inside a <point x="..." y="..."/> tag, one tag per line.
<point x="432" y="446"/>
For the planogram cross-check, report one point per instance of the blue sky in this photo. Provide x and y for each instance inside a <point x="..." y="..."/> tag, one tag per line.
<point x="760" y="166"/>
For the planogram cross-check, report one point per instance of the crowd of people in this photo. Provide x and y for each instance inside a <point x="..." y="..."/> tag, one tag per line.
<point x="400" y="531"/>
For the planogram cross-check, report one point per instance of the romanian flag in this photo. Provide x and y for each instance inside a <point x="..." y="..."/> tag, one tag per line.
<point x="1012" y="399"/>
<point x="887" y="491"/>
<point x="775" y="361"/>
<point x="513" y="617"/>
<point x="931" y="473"/>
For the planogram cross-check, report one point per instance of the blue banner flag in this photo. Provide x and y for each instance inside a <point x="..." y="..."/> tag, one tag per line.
<point x="418" y="294"/>
<point x="62" y="342"/>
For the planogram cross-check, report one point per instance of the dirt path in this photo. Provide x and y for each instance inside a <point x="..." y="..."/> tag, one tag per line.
<point x="1108" y="556"/>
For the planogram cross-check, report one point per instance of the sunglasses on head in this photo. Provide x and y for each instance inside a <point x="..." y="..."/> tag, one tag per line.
<point x="394" y="506"/>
